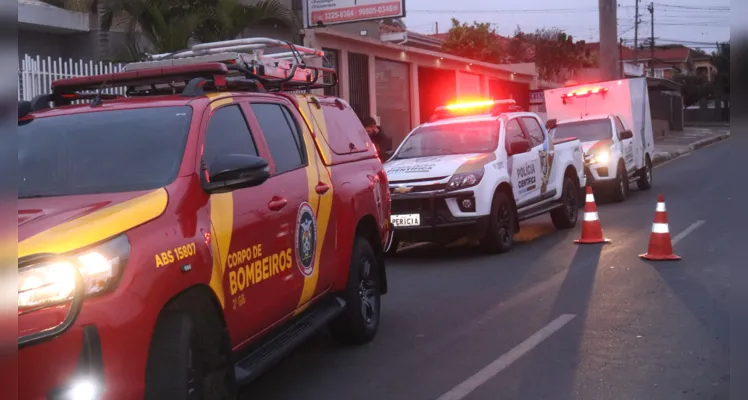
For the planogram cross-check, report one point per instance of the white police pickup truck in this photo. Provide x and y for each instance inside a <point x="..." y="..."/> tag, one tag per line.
<point x="476" y="170"/>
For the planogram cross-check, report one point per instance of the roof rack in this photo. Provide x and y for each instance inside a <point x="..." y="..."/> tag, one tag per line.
<point x="251" y="64"/>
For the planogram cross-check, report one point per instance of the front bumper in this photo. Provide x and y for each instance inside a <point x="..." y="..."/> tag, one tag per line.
<point x="600" y="175"/>
<point x="437" y="222"/>
<point x="103" y="352"/>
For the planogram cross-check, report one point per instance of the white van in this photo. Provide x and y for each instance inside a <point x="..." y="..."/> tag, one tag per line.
<point x="613" y="122"/>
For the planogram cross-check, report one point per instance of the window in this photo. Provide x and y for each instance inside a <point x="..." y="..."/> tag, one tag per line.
<point x="535" y="131"/>
<point x="586" y="131"/>
<point x="102" y="151"/>
<point x="228" y="133"/>
<point x="514" y="132"/>
<point x="451" y="138"/>
<point x="619" y="126"/>
<point x="282" y="136"/>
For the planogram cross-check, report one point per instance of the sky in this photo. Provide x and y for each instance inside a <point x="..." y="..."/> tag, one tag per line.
<point x="694" y="23"/>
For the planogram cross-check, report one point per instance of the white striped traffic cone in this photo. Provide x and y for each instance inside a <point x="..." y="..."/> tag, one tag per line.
<point x="592" y="231"/>
<point x="660" y="245"/>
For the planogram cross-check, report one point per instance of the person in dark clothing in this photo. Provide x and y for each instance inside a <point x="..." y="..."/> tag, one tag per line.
<point x="382" y="142"/>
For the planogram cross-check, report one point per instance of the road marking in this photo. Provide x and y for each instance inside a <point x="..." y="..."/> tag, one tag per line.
<point x="466" y="387"/>
<point x="687" y="231"/>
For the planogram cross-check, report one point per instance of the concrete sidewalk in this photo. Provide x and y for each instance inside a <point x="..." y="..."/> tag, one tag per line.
<point x="691" y="138"/>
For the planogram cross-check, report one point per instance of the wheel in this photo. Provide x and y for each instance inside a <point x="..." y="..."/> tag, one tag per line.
<point x="190" y="355"/>
<point x="621" y="190"/>
<point x="566" y="216"/>
<point x="359" y="322"/>
<point x="500" y="234"/>
<point x="645" y="177"/>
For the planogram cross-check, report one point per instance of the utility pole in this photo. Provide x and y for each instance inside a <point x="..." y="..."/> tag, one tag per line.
<point x="652" y="39"/>
<point x="608" y="39"/>
<point x="620" y="58"/>
<point x="636" y="33"/>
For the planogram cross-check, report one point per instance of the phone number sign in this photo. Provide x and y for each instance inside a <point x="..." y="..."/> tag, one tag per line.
<point x="331" y="12"/>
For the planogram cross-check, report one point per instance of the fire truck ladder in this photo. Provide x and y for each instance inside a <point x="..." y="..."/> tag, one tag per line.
<point x="249" y="64"/>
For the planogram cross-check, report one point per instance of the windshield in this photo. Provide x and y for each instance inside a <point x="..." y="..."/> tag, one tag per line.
<point x="456" y="138"/>
<point x="585" y="131"/>
<point x="101" y="152"/>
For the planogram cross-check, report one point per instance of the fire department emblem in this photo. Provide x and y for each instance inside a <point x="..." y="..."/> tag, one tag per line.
<point x="306" y="239"/>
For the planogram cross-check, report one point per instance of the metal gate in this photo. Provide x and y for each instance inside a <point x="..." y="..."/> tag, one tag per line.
<point x="358" y="83"/>
<point x="393" y="98"/>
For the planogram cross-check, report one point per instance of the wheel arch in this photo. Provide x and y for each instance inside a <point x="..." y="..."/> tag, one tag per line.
<point x="200" y="294"/>
<point x="506" y="187"/>
<point x="368" y="229"/>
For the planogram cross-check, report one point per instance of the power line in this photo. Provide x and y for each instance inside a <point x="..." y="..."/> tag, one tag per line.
<point x="715" y="8"/>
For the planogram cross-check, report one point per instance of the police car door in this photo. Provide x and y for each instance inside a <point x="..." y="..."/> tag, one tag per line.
<point x="523" y="167"/>
<point x="627" y="145"/>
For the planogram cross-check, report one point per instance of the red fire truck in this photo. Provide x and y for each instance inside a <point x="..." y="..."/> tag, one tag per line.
<point x="184" y="223"/>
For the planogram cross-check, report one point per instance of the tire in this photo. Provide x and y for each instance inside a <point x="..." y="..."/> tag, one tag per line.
<point x="621" y="190"/>
<point x="500" y="234"/>
<point x="359" y="322"/>
<point x="645" y="176"/>
<point x="190" y="355"/>
<point x="566" y="217"/>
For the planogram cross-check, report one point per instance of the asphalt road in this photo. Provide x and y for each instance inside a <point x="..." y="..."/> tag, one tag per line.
<point x="551" y="319"/>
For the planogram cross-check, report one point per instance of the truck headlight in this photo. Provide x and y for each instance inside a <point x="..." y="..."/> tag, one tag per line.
<point x="464" y="180"/>
<point x="52" y="280"/>
<point x="601" y="156"/>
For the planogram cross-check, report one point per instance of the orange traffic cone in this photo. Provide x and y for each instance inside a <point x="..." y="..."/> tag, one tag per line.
<point x="592" y="232"/>
<point x="660" y="246"/>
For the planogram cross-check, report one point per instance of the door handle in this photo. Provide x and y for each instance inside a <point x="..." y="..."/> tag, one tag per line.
<point x="322" y="188"/>
<point x="277" y="203"/>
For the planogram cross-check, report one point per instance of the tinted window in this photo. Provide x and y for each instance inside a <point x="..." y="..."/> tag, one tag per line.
<point x="344" y="129"/>
<point x="585" y="131"/>
<point x="101" y="152"/>
<point x="452" y="138"/>
<point x="514" y="132"/>
<point x="535" y="131"/>
<point x="282" y="136"/>
<point x="227" y="134"/>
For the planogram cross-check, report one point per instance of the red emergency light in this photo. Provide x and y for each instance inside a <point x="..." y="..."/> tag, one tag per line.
<point x="476" y="107"/>
<point x="584" y="92"/>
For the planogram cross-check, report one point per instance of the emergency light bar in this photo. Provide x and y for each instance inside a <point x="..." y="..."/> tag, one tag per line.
<point x="481" y="107"/>
<point x="584" y="92"/>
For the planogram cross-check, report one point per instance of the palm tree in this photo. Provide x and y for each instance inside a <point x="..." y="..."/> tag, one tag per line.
<point x="169" y="25"/>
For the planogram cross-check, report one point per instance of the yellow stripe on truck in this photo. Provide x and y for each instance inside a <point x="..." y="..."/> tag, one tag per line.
<point x="96" y="226"/>
<point x="322" y="206"/>
<point x="221" y="228"/>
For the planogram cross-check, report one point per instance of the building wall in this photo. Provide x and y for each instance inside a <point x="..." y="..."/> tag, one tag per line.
<point x="432" y="78"/>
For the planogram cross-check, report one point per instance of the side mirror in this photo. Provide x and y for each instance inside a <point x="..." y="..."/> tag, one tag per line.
<point x="236" y="171"/>
<point x="550" y="124"/>
<point x="627" y="134"/>
<point x="519" y="147"/>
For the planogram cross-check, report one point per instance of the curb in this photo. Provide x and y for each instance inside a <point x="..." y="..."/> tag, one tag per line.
<point x="660" y="158"/>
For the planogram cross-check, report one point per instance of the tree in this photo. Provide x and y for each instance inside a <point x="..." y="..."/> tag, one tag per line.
<point x="721" y="61"/>
<point x="477" y="41"/>
<point x="170" y="25"/>
<point x="693" y="88"/>
<point x="555" y="53"/>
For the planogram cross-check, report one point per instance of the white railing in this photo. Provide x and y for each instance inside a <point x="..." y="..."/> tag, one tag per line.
<point x="36" y="74"/>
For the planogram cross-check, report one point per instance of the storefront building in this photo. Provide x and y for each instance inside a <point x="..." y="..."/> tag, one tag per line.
<point x="401" y="85"/>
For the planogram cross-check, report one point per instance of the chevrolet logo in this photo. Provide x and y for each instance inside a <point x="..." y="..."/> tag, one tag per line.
<point x="403" y="189"/>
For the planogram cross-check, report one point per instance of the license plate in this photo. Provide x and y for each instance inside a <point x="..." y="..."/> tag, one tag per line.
<point x="406" y="220"/>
